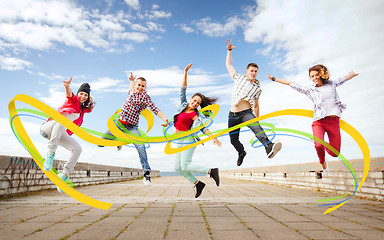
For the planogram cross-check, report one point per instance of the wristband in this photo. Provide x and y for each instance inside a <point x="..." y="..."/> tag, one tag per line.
<point x="273" y="78"/>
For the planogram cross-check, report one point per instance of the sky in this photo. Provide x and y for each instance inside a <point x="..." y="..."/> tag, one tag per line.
<point x="100" y="42"/>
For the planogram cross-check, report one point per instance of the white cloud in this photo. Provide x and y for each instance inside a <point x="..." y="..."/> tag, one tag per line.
<point x="172" y="77"/>
<point x="103" y="84"/>
<point x="133" y="3"/>
<point x="12" y="64"/>
<point x="344" y="36"/>
<point x="56" y="97"/>
<point x="214" y="29"/>
<point x="43" y="25"/>
<point x="186" y="28"/>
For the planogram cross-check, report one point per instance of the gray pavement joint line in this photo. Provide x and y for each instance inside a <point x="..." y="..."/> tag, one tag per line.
<point x="302" y="215"/>
<point x="221" y="189"/>
<point x="98" y="220"/>
<point x="206" y="222"/>
<point x="178" y="194"/>
<point x="129" y="224"/>
<point x="252" y="190"/>
<point x="142" y="187"/>
<point x="241" y="220"/>
<point x="376" y="205"/>
<point x="26" y="209"/>
<point x="40" y="215"/>
<point x="169" y="221"/>
<point x="246" y="194"/>
<point x="213" y="195"/>
<point x="117" y="191"/>
<point x="39" y="229"/>
<point x="278" y="221"/>
<point x="353" y="221"/>
<point x="162" y="193"/>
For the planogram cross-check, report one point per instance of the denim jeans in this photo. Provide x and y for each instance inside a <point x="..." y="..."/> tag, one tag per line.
<point x="183" y="162"/>
<point x="139" y="147"/>
<point x="238" y="118"/>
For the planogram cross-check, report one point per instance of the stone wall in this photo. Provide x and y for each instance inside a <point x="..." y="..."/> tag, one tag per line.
<point x="21" y="175"/>
<point x="308" y="176"/>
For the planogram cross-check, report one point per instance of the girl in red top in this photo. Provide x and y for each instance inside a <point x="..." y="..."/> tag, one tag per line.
<point x="188" y="117"/>
<point x="73" y="108"/>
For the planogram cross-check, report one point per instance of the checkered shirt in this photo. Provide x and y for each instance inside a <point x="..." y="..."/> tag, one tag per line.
<point x="134" y="105"/>
<point x="245" y="90"/>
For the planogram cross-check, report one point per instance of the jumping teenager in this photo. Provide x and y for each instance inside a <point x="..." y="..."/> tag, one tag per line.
<point x="188" y="117"/>
<point x="327" y="107"/>
<point x="73" y="108"/>
<point x="138" y="100"/>
<point x="245" y="106"/>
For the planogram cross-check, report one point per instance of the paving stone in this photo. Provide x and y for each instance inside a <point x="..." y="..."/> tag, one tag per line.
<point x="235" y="210"/>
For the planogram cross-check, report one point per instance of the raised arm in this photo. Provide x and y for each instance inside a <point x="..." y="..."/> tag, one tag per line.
<point x="185" y="74"/>
<point x="68" y="89"/>
<point x="228" y="63"/>
<point x="279" y="80"/>
<point x="350" y="75"/>
<point x="132" y="81"/>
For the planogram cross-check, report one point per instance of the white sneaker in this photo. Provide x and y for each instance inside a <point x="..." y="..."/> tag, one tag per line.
<point x="147" y="180"/>
<point x="326" y="171"/>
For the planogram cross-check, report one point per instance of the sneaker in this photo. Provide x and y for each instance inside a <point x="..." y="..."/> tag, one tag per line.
<point x="61" y="175"/>
<point x="241" y="158"/>
<point x="273" y="148"/>
<point x="215" y="175"/>
<point x="326" y="171"/>
<point x="199" y="188"/>
<point x="119" y="148"/>
<point x="147" y="180"/>
<point x="48" y="161"/>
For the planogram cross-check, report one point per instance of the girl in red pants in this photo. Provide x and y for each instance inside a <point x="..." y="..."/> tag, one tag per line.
<point x="327" y="107"/>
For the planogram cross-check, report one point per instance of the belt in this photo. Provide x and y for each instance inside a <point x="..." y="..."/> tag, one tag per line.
<point x="239" y="113"/>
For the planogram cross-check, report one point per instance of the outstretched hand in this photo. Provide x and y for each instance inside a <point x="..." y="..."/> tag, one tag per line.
<point x="351" y="75"/>
<point x="269" y="76"/>
<point x="165" y="124"/>
<point x="132" y="78"/>
<point x="216" y="142"/>
<point x="188" y="67"/>
<point x="66" y="83"/>
<point x="230" y="45"/>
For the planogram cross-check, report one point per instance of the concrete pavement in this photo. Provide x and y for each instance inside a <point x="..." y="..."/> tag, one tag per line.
<point x="168" y="210"/>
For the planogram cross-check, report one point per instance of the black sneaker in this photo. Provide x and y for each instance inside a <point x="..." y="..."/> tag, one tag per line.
<point x="215" y="175"/>
<point x="273" y="148"/>
<point x="147" y="179"/>
<point x="241" y="158"/>
<point x="199" y="188"/>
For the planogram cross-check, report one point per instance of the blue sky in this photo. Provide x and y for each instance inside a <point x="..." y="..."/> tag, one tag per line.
<point x="100" y="42"/>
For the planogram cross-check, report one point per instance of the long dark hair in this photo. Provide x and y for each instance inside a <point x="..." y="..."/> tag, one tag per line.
<point x="205" y="101"/>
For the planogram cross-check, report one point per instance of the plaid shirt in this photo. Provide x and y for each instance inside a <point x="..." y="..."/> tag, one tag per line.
<point x="315" y="95"/>
<point x="245" y="90"/>
<point x="134" y="105"/>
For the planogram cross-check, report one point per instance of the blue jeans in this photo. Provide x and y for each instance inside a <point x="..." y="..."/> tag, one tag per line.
<point x="139" y="147"/>
<point x="238" y="118"/>
<point x="183" y="161"/>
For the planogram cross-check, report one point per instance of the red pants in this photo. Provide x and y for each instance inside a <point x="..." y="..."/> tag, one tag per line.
<point x="331" y="126"/>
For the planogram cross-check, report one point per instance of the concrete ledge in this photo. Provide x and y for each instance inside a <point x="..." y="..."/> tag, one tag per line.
<point x="309" y="176"/>
<point x="21" y="175"/>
